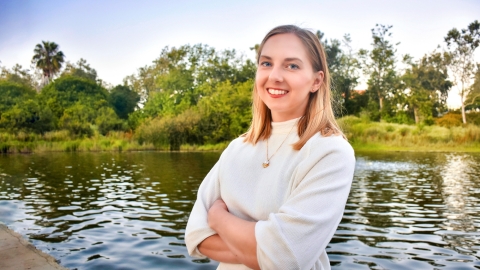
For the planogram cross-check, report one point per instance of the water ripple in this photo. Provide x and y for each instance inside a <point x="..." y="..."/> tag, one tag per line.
<point x="129" y="210"/>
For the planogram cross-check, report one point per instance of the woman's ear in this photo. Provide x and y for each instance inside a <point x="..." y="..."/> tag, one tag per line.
<point x="318" y="81"/>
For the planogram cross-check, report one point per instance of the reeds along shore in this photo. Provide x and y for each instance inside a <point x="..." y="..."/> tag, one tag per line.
<point x="366" y="135"/>
<point x="361" y="133"/>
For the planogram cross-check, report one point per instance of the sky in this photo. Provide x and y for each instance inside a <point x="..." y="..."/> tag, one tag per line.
<point x="117" y="37"/>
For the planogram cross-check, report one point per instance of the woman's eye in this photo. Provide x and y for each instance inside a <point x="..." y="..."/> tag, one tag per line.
<point x="293" y="66"/>
<point x="265" y="64"/>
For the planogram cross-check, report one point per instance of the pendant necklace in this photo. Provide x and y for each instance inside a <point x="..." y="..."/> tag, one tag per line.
<point x="266" y="163"/>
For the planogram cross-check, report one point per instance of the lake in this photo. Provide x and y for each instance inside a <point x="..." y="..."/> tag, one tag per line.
<point x="129" y="210"/>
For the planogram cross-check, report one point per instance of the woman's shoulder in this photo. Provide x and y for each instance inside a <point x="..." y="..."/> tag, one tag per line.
<point x="234" y="145"/>
<point x="329" y="144"/>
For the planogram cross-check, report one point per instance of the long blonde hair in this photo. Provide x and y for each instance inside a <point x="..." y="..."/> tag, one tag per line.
<point x="318" y="115"/>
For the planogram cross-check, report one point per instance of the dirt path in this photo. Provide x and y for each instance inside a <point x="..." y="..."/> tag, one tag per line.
<point x="17" y="253"/>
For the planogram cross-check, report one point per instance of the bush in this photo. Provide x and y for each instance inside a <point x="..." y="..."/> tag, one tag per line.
<point x="169" y="131"/>
<point x="449" y="120"/>
<point x="76" y="120"/>
<point x="473" y="118"/>
<point x="107" y="120"/>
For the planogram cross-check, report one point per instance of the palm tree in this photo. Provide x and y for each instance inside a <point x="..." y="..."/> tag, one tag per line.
<point x="48" y="58"/>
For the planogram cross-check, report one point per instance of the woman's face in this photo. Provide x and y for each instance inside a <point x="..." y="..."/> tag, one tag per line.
<point x="285" y="77"/>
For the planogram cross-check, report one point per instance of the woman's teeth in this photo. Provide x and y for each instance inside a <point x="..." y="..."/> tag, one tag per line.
<point x="277" y="92"/>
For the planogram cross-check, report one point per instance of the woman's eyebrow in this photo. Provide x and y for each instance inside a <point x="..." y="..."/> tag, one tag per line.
<point x="288" y="59"/>
<point x="293" y="59"/>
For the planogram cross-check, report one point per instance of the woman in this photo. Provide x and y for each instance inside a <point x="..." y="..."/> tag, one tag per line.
<point x="277" y="194"/>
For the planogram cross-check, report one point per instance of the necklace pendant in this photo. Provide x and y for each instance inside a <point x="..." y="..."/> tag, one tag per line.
<point x="266" y="164"/>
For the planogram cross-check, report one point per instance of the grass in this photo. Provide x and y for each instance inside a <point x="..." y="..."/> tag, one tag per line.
<point x="361" y="133"/>
<point x="62" y="141"/>
<point x="379" y="136"/>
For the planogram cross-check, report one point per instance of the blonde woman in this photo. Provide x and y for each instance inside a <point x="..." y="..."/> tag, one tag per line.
<point x="277" y="194"/>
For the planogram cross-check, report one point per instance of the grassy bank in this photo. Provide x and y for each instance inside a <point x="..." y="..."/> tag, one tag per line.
<point x="377" y="136"/>
<point x="62" y="141"/>
<point x="362" y="134"/>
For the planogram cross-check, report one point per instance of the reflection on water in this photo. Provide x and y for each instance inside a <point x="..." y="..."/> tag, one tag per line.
<point x="411" y="211"/>
<point x="103" y="210"/>
<point x="129" y="210"/>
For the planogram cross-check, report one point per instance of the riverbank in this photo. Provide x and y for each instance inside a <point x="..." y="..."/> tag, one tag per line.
<point x="364" y="135"/>
<point x="18" y="253"/>
<point x="381" y="136"/>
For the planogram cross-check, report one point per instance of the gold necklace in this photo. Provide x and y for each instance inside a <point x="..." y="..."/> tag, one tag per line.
<point x="266" y="163"/>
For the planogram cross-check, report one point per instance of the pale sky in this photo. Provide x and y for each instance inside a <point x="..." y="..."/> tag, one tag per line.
<point x="117" y="37"/>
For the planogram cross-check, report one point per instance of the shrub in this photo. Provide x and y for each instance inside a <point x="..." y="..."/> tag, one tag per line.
<point x="449" y="120"/>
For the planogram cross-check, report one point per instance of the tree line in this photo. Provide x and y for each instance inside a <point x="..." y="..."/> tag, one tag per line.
<point x="195" y="94"/>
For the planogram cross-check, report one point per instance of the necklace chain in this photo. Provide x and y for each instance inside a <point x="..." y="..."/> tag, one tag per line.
<point x="266" y="163"/>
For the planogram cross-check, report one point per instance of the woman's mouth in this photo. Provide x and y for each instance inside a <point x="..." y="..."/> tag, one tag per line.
<point x="276" y="92"/>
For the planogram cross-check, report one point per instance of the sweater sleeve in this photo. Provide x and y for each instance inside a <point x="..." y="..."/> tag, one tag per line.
<point x="295" y="236"/>
<point x="197" y="226"/>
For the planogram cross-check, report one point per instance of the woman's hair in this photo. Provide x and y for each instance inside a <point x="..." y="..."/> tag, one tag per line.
<point x="318" y="115"/>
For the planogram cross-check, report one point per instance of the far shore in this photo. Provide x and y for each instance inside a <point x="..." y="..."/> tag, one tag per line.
<point x="86" y="145"/>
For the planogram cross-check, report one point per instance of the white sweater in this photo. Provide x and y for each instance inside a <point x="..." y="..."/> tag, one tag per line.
<point x="298" y="201"/>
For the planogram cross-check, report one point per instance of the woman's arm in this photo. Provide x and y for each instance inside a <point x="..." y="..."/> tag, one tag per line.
<point x="214" y="248"/>
<point x="237" y="234"/>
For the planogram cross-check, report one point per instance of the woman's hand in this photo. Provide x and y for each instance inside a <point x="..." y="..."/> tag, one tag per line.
<point x="215" y="214"/>
<point x="237" y="234"/>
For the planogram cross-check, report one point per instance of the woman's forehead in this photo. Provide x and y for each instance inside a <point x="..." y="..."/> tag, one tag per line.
<point x="284" y="46"/>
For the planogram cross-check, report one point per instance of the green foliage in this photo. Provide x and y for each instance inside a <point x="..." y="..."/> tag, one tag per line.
<point x="473" y="97"/>
<point x="12" y="93"/>
<point x="379" y="65"/>
<point x="124" y="100"/>
<point x="76" y="119"/>
<point x="107" y="120"/>
<point x="356" y="102"/>
<point x="474" y="118"/>
<point x="374" y="135"/>
<point x="343" y="67"/>
<point x="27" y="115"/>
<point x="226" y="111"/>
<point x="198" y="98"/>
<point x="462" y="45"/>
<point x="68" y="90"/>
<point x="172" y="131"/>
<point x="18" y="75"/>
<point x="427" y="87"/>
<point x="81" y="69"/>
<point x="180" y="71"/>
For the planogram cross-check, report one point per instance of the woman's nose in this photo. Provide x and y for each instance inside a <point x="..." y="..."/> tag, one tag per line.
<point x="275" y="75"/>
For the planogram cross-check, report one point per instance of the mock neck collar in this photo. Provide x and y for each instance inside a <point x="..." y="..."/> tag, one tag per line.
<point x="284" y="127"/>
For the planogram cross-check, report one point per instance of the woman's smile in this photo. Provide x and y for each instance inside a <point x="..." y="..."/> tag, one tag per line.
<point x="276" y="93"/>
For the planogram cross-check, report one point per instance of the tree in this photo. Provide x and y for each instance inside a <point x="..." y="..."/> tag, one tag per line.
<point x="18" y="75"/>
<point x="13" y="93"/>
<point x="108" y="120"/>
<point x="68" y="90"/>
<point x="462" y="45"/>
<point x="81" y="69"/>
<point x="343" y="68"/>
<point x="77" y="119"/>
<point x="28" y="115"/>
<point x="181" y="71"/>
<point x="48" y="58"/>
<point x="428" y="85"/>
<point x="473" y="98"/>
<point x="124" y="100"/>
<point x="379" y="65"/>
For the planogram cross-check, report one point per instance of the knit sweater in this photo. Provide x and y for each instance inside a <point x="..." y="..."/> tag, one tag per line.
<point x="297" y="202"/>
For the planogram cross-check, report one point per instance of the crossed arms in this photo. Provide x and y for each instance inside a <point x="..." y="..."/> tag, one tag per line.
<point x="235" y="239"/>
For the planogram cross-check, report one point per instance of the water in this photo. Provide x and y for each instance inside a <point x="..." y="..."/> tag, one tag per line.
<point x="129" y="210"/>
